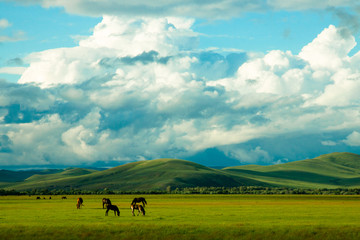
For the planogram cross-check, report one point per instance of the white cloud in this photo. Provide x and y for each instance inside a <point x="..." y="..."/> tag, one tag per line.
<point x="353" y="139"/>
<point x="254" y="156"/>
<point x="329" y="51"/>
<point x="328" y="143"/>
<point x="4" y="23"/>
<point x="13" y="70"/>
<point x="163" y="35"/>
<point x="45" y="133"/>
<point x="114" y="38"/>
<point x="275" y="73"/>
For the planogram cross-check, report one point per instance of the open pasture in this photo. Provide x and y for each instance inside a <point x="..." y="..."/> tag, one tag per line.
<point x="183" y="217"/>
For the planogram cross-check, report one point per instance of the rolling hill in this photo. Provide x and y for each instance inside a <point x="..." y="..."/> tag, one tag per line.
<point x="327" y="171"/>
<point x="143" y="175"/>
<point x="7" y="178"/>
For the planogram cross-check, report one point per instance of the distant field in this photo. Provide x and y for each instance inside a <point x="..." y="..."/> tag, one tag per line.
<point x="183" y="217"/>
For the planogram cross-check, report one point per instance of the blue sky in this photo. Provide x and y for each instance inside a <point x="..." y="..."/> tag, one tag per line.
<point x="219" y="83"/>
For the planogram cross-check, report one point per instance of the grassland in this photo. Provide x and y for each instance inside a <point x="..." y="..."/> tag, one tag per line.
<point x="183" y="217"/>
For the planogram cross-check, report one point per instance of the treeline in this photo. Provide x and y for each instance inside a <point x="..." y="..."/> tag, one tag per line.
<point x="265" y="190"/>
<point x="193" y="190"/>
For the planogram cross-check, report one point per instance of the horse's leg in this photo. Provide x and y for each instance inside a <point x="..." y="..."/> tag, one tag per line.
<point x="106" y="212"/>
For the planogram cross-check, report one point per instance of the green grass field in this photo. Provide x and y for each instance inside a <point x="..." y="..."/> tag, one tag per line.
<point x="183" y="217"/>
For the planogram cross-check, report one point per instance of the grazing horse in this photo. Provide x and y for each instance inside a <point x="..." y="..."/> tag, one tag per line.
<point x="138" y="200"/>
<point x="114" y="208"/>
<point x="38" y="198"/>
<point x="79" y="203"/>
<point x="63" y="198"/>
<point x="106" y="201"/>
<point x="139" y="207"/>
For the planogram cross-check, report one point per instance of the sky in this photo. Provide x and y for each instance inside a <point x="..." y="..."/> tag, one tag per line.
<point x="220" y="83"/>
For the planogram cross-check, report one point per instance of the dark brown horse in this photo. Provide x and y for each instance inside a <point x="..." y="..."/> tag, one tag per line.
<point x="63" y="197"/>
<point x="139" y="200"/>
<point x="139" y="207"/>
<point x="106" y="201"/>
<point x="114" y="208"/>
<point x="79" y="203"/>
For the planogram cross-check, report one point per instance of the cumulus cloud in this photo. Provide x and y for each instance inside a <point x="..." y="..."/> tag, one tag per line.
<point x="115" y="42"/>
<point x="353" y="139"/>
<point x="323" y="53"/>
<point x="140" y="89"/>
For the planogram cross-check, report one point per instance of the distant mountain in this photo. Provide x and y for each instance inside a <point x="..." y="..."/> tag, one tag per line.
<point x="8" y="177"/>
<point x="326" y="171"/>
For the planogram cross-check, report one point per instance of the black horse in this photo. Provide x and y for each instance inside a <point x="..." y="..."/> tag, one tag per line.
<point x="114" y="208"/>
<point x="138" y="200"/>
<point x="106" y="201"/>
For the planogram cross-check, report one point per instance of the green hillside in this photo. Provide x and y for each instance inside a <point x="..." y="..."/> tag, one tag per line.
<point x="326" y="171"/>
<point x="69" y="172"/>
<point x="143" y="175"/>
<point x="8" y="178"/>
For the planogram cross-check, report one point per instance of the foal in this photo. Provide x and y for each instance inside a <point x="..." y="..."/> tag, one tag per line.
<point x="139" y="207"/>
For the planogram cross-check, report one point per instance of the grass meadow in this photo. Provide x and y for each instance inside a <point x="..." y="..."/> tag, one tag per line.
<point x="183" y="217"/>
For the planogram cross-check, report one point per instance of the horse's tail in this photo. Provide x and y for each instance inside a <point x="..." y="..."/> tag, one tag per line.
<point x="145" y="201"/>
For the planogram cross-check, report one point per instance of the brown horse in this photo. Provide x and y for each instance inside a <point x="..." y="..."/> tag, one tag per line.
<point x="114" y="208"/>
<point x="139" y="207"/>
<point x="79" y="203"/>
<point x="138" y="200"/>
<point x="106" y="201"/>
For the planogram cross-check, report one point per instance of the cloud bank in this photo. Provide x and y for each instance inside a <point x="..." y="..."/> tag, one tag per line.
<point x="185" y="8"/>
<point x="140" y="89"/>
